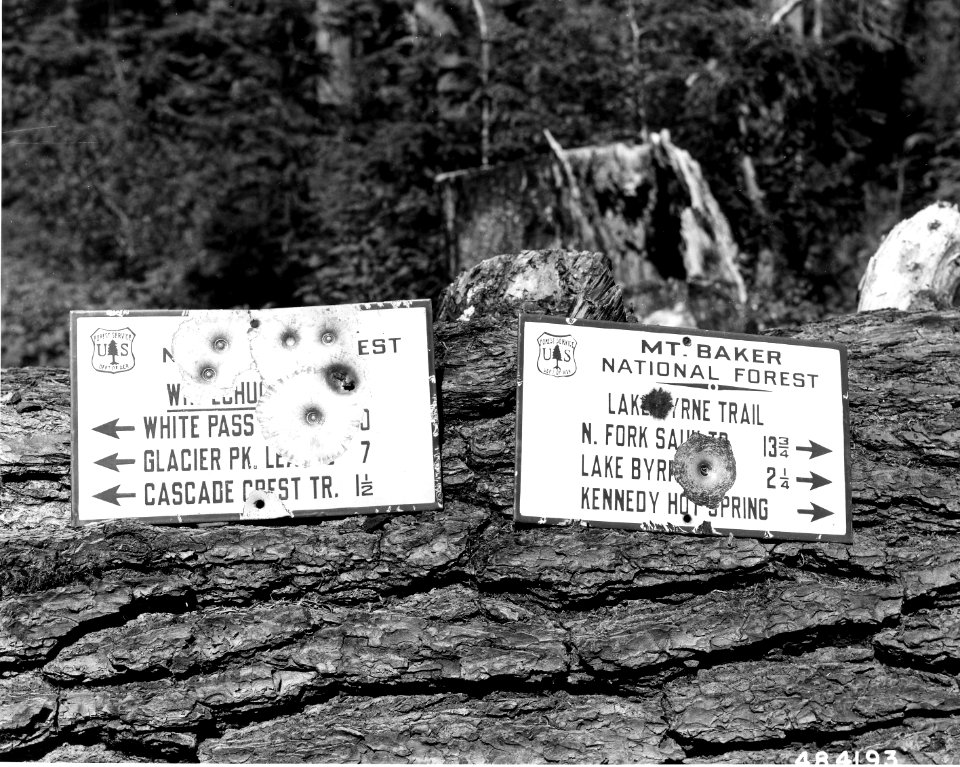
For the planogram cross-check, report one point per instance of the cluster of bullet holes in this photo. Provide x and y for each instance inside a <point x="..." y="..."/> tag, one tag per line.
<point x="310" y="401"/>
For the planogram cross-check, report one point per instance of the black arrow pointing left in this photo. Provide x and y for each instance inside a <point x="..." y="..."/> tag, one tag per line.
<point x="113" y="495"/>
<point x="110" y="428"/>
<point x="112" y="462"/>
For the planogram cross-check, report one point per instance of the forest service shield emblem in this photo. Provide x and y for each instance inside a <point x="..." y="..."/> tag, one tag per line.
<point x="557" y="357"/>
<point x="112" y="350"/>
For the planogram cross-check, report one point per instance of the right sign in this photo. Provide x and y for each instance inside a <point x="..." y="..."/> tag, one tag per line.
<point x="624" y="425"/>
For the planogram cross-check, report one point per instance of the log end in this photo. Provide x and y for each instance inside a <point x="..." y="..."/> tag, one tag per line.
<point x="559" y="282"/>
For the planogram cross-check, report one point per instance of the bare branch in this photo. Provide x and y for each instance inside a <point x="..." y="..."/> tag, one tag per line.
<point x="784" y="10"/>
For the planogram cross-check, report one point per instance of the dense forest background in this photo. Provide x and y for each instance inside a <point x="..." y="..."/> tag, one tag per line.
<point x="204" y="153"/>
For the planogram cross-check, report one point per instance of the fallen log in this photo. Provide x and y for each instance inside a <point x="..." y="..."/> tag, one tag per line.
<point x="457" y="635"/>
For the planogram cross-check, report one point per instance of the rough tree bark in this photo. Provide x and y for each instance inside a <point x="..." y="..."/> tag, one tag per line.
<point x="457" y="636"/>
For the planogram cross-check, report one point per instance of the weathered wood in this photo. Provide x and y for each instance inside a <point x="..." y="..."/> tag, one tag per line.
<point x="35" y="448"/>
<point x="917" y="266"/>
<point x="556" y="727"/>
<point x="646" y="206"/>
<point x="560" y="282"/>
<point x="456" y="635"/>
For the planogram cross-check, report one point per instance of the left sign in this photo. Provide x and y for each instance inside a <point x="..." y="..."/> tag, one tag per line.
<point x="199" y="416"/>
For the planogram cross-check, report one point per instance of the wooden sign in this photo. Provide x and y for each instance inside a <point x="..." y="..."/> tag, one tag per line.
<point x="227" y="415"/>
<point x="684" y="431"/>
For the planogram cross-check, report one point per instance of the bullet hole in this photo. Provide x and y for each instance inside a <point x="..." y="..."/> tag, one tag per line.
<point x="307" y="416"/>
<point x="289" y="339"/>
<point x="341" y="378"/>
<point x="687" y="518"/>
<point x="933" y="226"/>
<point x="657" y="402"/>
<point x="254" y="324"/>
<point x="261" y="505"/>
<point x="687" y="341"/>
<point x="706" y="469"/>
<point x="209" y="348"/>
<point x="328" y="338"/>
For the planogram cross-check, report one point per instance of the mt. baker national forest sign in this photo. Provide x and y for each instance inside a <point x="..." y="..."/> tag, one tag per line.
<point x="632" y="426"/>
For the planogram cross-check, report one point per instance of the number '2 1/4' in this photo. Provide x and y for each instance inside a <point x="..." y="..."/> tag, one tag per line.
<point x="870" y="756"/>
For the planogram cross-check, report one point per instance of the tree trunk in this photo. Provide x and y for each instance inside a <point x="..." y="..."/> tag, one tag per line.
<point x="456" y="635"/>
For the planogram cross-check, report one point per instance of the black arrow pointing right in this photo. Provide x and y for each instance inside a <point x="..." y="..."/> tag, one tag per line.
<point x="110" y="428"/>
<point x="112" y="462"/>
<point x="113" y="496"/>
<point x="817" y="512"/>
<point x="814" y="480"/>
<point x="815" y="450"/>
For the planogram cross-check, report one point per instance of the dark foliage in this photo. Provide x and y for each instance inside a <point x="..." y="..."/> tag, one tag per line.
<point x="176" y="169"/>
<point x="191" y="161"/>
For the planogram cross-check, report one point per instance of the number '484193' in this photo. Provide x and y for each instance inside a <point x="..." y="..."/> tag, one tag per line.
<point x="870" y="756"/>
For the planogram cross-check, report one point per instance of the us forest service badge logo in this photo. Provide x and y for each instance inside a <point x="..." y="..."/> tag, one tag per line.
<point x="113" y="350"/>
<point x="557" y="355"/>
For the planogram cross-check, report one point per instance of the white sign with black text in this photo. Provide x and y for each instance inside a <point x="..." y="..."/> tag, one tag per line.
<point x="603" y="408"/>
<point x="189" y="416"/>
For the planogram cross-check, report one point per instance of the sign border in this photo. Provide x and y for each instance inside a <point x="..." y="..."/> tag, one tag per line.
<point x="705" y="528"/>
<point x="223" y="517"/>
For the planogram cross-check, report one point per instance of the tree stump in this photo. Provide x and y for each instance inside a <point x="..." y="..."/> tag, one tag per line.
<point x="917" y="266"/>
<point x="647" y="206"/>
<point x="457" y="635"/>
<point x="561" y="282"/>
